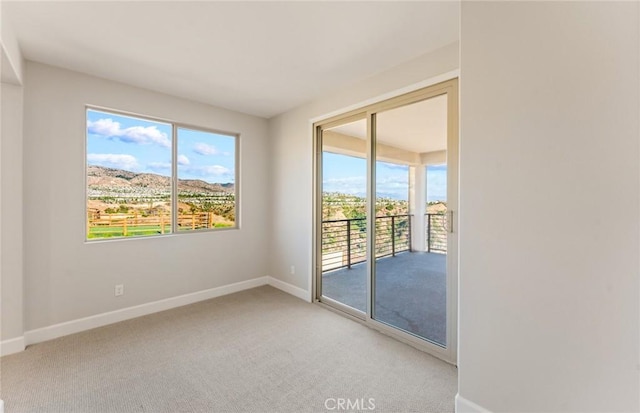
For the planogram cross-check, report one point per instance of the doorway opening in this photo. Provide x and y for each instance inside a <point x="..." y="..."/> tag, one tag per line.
<point x="386" y="197"/>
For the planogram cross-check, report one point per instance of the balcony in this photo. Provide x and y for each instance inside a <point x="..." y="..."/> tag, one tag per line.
<point x="344" y="241"/>
<point x="410" y="285"/>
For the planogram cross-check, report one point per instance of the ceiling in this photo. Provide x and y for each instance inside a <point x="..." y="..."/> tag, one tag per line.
<point x="261" y="58"/>
<point x="420" y="127"/>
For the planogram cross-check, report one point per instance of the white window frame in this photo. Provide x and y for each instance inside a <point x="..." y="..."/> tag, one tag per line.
<point x="175" y="125"/>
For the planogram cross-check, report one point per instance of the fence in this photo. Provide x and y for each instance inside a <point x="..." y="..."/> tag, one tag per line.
<point x="344" y="241"/>
<point x="123" y="225"/>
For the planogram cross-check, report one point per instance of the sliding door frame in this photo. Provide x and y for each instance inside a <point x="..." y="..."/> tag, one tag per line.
<point x="449" y="88"/>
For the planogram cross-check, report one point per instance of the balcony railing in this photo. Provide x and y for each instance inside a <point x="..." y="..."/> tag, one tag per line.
<point x="344" y="241"/>
<point x="436" y="232"/>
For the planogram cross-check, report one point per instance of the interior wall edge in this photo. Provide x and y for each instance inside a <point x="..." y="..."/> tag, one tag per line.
<point x="467" y="406"/>
<point x="291" y="289"/>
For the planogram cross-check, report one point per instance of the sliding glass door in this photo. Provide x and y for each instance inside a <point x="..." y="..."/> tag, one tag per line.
<point x="343" y="257"/>
<point x="410" y="283"/>
<point x="386" y="239"/>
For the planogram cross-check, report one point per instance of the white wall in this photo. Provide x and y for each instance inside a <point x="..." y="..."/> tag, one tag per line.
<point x="11" y="268"/>
<point x="1" y="301"/>
<point x="12" y="60"/>
<point x="66" y="278"/>
<point x="11" y="309"/>
<point x="292" y="172"/>
<point x="549" y="206"/>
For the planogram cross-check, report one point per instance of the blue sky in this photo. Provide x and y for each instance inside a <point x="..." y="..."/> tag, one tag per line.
<point x="138" y="145"/>
<point x="436" y="183"/>
<point x="347" y="174"/>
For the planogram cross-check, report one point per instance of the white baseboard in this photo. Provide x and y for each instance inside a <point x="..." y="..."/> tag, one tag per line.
<point x="13" y="345"/>
<point x="290" y="289"/>
<point x="99" y="320"/>
<point x="466" y="406"/>
<point x="75" y="326"/>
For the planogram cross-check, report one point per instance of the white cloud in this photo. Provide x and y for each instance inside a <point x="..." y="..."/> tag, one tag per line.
<point x="183" y="160"/>
<point x="391" y="186"/>
<point x="216" y="170"/>
<point x="209" y="173"/>
<point x="134" y="134"/>
<point x="159" y="166"/>
<point x="111" y="160"/>
<point x="204" y="149"/>
<point x="353" y="185"/>
<point x="393" y="182"/>
<point x="105" y="127"/>
<point x="394" y="166"/>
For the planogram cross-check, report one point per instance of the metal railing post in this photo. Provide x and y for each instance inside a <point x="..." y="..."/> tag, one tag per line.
<point x="409" y="232"/>
<point x="428" y="232"/>
<point x="393" y="236"/>
<point x="349" y="244"/>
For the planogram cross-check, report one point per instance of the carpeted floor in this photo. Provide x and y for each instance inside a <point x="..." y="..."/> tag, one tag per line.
<point x="259" y="350"/>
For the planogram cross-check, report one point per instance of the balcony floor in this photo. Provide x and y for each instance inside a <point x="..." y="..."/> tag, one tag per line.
<point x="410" y="292"/>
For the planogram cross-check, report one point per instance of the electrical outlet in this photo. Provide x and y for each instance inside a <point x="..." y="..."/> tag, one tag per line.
<point x="119" y="289"/>
<point x="293" y="269"/>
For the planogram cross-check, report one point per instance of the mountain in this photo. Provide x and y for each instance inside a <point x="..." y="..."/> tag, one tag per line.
<point x="100" y="177"/>
<point x="198" y="185"/>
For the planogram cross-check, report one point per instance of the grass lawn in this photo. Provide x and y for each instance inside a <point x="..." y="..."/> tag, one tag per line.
<point x="132" y="231"/>
<point x="137" y="230"/>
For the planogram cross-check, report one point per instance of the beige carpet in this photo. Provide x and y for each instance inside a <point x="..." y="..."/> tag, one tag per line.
<point x="259" y="350"/>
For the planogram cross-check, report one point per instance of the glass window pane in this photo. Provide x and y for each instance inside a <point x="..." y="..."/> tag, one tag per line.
<point x="344" y="214"/>
<point x="206" y="180"/>
<point x="128" y="176"/>
<point x="410" y="266"/>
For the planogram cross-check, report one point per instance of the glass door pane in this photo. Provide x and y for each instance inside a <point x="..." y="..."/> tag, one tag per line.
<point x="410" y="280"/>
<point x="344" y="215"/>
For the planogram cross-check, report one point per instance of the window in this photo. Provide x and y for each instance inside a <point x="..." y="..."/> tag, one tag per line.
<point x="206" y="189"/>
<point x="149" y="177"/>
